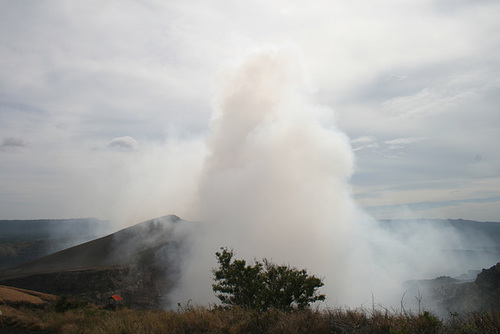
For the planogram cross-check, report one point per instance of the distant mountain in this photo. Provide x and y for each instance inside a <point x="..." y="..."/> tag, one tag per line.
<point x="140" y="263"/>
<point x="478" y="247"/>
<point x="25" y="240"/>
<point x="478" y="243"/>
<point x="473" y="233"/>
<point x="455" y="295"/>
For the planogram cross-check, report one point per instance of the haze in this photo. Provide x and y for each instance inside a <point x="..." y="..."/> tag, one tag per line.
<point x="284" y="127"/>
<point x="98" y="100"/>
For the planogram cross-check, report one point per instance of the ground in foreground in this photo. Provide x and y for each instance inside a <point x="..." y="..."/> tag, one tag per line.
<point x="72" y="316"/>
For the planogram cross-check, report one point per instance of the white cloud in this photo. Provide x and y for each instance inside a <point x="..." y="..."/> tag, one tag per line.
<point x="365" y="142"/>
<point x="428" y="102"/>
<point x="402" y="142"/>
<point x="364" y="139"/>
<point x="123" y="144"/>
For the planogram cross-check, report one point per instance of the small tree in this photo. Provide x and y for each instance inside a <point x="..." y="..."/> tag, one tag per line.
<point x="263" y="285"/>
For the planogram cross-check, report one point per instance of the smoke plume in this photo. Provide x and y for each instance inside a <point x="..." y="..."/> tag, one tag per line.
<point x="275" y="184"/>
<point x="275" y="180"/>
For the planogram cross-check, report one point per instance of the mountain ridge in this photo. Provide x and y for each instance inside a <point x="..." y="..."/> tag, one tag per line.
<point x="140" y="262"/>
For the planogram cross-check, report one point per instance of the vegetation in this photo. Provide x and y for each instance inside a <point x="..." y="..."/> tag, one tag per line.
<point x="65" y="303"/>
<point x="282" y="299"/>
<point x="263" y="285"/>
<point x="92" y="319"/>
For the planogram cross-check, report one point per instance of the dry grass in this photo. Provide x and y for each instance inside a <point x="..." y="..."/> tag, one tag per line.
<point x="10" y="295"/>
<point x="197" y="319"/>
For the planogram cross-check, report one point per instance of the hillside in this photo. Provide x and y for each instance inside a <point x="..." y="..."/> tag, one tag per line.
<point x="140" y="263"/>
<point x="22" y="241"/>
<point x="14" y="296"/>
<point x="456" y="295"/>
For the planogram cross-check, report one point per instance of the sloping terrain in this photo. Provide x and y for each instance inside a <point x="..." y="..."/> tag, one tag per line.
<point x="26" y="240"/>
<point x="454" y="295"/>
<point x="10" y="295"/>
<point x="481" y="295"/>
<point x="140" y="263"/>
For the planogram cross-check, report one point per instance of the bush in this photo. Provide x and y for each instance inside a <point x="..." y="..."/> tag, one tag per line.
<point x="263" y="285"/>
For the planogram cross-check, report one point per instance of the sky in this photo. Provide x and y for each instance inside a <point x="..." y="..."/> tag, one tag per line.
<point x="106" y="107"/>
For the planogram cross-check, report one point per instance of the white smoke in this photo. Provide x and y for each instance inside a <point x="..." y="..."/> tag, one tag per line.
<point x="275" y="184"/>
<point x="275" y="181"/>
<point x="275" y="178"/>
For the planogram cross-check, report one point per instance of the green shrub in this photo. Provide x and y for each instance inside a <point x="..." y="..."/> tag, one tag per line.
<point x="263" y="285"/>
